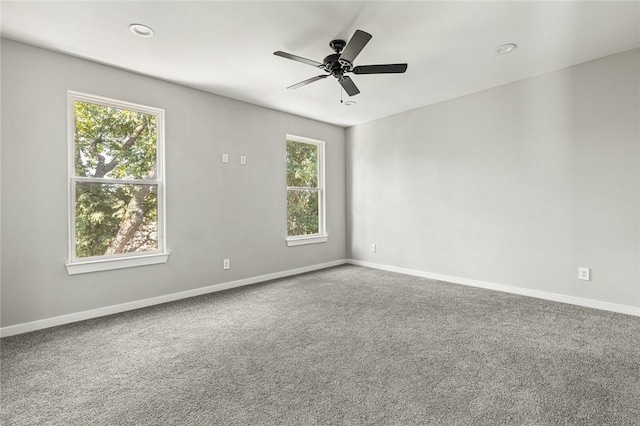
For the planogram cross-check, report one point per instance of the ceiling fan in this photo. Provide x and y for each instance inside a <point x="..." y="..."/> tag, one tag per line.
<point x="340" y="63"/>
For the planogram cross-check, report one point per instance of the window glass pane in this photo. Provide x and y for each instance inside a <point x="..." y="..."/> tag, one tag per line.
<point x="114" y="143"/>
<point x="115" y="218"/>
<point x="302" y="212"/>
<point x="302" y="164"/>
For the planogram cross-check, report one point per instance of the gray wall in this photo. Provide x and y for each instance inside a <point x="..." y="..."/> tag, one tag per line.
<point x="213" y="210"/>
<point x="517" y="185"/>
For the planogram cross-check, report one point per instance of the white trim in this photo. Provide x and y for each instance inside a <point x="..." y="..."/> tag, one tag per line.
<point x="71" y="212"/>
<point x="306" y="239"/>
<point x="563" y="298"/>
<point x="303" y="188"/>
<point x="106" y="264"/>
<point x="302" y="139"/>
<point x="114" y="181"/>
<point x="116" y="103"/>
<point x="321" y="188"/>
<point x="114" y="309"/>
<point x="13" y="330"/>
<point x="99" y="263"/>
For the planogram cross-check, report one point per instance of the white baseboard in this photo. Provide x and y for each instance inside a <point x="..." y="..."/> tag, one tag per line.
<point x="114" y="309"/>
<point x="572" y="300"/>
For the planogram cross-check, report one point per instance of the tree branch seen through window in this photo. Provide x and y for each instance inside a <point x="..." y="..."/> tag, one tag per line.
<point x="116" y="186"/>
<point x="304" y="188"/>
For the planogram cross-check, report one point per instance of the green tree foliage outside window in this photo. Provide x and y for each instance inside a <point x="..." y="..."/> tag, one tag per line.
<point x="303" y="191"/>
<point x="116" y="193"/>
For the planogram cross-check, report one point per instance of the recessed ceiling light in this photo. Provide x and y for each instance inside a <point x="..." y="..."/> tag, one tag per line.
<point x="141" y="30"/>
<point x="349" y="103"/>
<point x="506" y="48"/>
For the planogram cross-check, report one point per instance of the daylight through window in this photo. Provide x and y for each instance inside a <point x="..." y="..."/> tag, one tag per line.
<point x="116" y="179"/>
<point x="305" y="190"/>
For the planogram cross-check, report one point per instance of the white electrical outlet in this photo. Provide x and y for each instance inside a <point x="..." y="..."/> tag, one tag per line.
<point x="584" y="274"/>
<point x="225" y="158"/>
<point x="226" y="264"/>
<point x="373" y="248"/>
<point x="243" y="159"/>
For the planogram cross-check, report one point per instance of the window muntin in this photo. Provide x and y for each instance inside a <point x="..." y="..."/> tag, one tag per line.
<point x="305" y="188"/>
<point x="116" y="180"/>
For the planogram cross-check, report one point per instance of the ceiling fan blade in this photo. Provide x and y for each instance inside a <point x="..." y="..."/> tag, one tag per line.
<point x="380" y="69"/>
<point x="307" y="81"/>
<point x="355" y="46"/>
<point x="299" y="59"/>
<point x="349" y="86"/>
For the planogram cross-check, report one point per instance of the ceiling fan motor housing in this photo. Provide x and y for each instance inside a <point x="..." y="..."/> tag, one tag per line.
<point x="333" y="65"/>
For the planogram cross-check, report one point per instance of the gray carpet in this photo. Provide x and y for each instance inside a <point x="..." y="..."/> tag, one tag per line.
<point x="346" y="345"/>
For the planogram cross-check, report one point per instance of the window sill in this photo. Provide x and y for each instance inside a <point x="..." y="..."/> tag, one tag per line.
<point x="313" y="239"/>
<point x="115" y="263"/>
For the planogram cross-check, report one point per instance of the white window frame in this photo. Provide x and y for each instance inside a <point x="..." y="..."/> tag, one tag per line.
<point x="81" y="265"/>
<point x="322" y="235"/>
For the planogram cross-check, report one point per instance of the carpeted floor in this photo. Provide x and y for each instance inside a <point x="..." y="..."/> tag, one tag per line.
<point x="347" y="345"/>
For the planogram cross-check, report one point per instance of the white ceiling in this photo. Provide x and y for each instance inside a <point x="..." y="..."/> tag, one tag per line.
<point x="227" y="47"/>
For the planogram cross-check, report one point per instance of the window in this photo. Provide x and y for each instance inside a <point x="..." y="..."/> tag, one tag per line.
<point x="116" y="190"/>
<point x="305" y="191"/>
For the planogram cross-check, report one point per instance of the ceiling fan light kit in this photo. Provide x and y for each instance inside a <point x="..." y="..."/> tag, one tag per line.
<point x="340" y="63"/>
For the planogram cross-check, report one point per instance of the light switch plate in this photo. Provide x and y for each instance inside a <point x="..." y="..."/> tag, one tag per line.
<point x="584" y="274"/>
